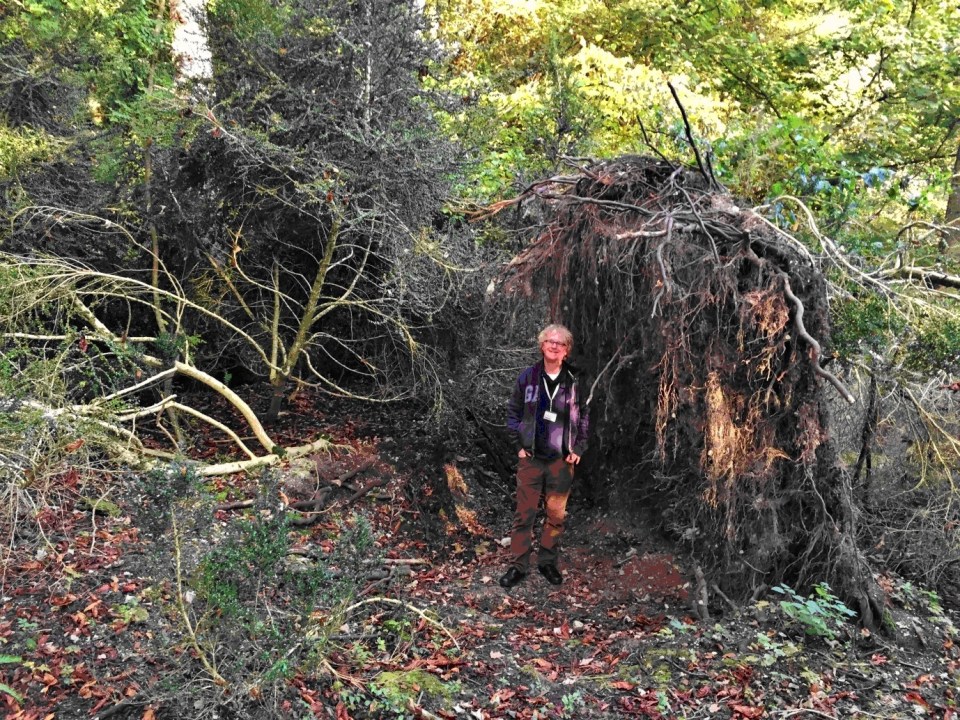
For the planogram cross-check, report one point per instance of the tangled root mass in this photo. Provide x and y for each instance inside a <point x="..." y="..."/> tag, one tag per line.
<point x="697" y="322"/>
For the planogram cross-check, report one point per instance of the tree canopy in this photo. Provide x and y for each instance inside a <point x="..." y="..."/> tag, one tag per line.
<point x="789" y="96"/>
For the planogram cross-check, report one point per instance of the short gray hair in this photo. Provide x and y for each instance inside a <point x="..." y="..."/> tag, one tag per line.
<point x="560" y="330"/>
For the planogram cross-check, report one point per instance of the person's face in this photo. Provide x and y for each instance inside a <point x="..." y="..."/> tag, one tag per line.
<point x="554" y="348"/>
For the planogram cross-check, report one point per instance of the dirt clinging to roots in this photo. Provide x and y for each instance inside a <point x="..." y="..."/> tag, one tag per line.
<point x="699" y="324"/>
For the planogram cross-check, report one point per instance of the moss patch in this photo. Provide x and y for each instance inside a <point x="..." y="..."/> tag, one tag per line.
<point x="404" y="684"/>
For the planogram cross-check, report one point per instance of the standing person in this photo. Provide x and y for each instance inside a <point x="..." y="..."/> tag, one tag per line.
<point x="548" y="422"/>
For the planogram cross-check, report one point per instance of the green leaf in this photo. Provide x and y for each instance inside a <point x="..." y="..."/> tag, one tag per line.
<point x="11" y="692"/>
<point x="8" y="659"/>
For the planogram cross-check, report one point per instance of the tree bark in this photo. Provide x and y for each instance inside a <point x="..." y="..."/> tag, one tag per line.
<point x="952" y="216"/>
<point x="309" y="316"/>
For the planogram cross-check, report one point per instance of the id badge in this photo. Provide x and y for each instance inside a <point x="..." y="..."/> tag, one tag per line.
<point x="549" y="416"/>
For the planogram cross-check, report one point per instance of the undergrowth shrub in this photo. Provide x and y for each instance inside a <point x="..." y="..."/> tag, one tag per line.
<point x="37" y="448"/>
<point x="821" y="614"/>
<point x="935" y="346"/>
<point x="42" y="432"/>
<point x="269" y="618"/>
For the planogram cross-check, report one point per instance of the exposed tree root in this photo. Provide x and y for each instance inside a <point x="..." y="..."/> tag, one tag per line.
<point x="699" y="321"/>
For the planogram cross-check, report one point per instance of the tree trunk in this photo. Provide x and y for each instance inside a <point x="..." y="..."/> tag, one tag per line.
<point x="279" y="377"/>
<point x="190" y="44"/>
<point x="952" y="217"/>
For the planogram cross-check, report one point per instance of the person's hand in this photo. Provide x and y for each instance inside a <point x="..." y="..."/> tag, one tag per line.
<point x="573" y="458"/>
<point x="522" y="453"/>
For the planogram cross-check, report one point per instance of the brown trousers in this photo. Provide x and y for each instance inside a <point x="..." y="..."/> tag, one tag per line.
<point x="533" y="478"/>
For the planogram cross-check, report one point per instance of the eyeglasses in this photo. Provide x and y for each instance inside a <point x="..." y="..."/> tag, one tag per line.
<point x="556" y="343"/>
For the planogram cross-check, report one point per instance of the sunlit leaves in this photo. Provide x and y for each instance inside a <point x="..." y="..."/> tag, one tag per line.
<point x="252" y="18"/>
<point x="115" y="45"/>
<point x="872" y="84"/>
<point x="21" y="146"/>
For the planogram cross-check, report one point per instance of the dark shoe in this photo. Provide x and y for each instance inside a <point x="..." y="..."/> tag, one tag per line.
<point x="511" y="577"/>
<point x="551" y="573"/>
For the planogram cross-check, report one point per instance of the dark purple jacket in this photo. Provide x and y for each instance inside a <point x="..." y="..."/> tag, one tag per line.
<point x="522" y="410"/>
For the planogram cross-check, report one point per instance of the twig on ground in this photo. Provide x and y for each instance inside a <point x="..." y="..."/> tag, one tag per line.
<point x="417" y="710"/>
<point x="343" y="477"/>
<point x="114" y="709"/>
<point x="418" y="611"/>
<point x="235" y="505"/>
<point x="701" y="597"/>
<point x="185" y="615"/>
<point x="380" y="482"/>
<point x="318" y="500"/>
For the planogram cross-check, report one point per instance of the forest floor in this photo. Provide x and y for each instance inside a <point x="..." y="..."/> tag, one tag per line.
<point x="169" y="596"/>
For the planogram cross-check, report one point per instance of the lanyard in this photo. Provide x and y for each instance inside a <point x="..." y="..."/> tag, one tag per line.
<point x="547" y="390"/>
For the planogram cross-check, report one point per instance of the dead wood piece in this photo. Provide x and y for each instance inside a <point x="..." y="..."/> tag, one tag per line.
<point x="700" y="597"/>
<point x="718" y="591"/>
<point x="317" y="501"/>
<point x="235" y="505"/>
<point x="419" y="711"/>
<point x="119" y="707"/>
<point x="304" y="520"/>
<point x="373" y="485"/>
<point x="927" y="276"/>
<point x="344" y="477"/>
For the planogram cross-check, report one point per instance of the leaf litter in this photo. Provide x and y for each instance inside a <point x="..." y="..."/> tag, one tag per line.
<point x="89" y="628"/>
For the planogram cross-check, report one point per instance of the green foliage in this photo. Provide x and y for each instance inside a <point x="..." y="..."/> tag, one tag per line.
<point x="118" y="47"/>
<point x="174" y="346"/>
<point x="819" y="101"/>
<point x="390" y="696"/>
<point x="913" y="596"/>
<point x="19" y="147"/>
<point x="153" y="119"/>
<point x="573" y="705"/>
<point x="4" y="688"/>
<point x="821" y="614"/>
<point x="227" y="576"/>
<point x="771" y="650"/>
<point x="865" y="322"/>
<point x="928" y="341"/>
<point x="262" y="20"/>
<point x="935" y="344"/>
<point x="253" y="600"/>
<point x="162" y="485"/>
